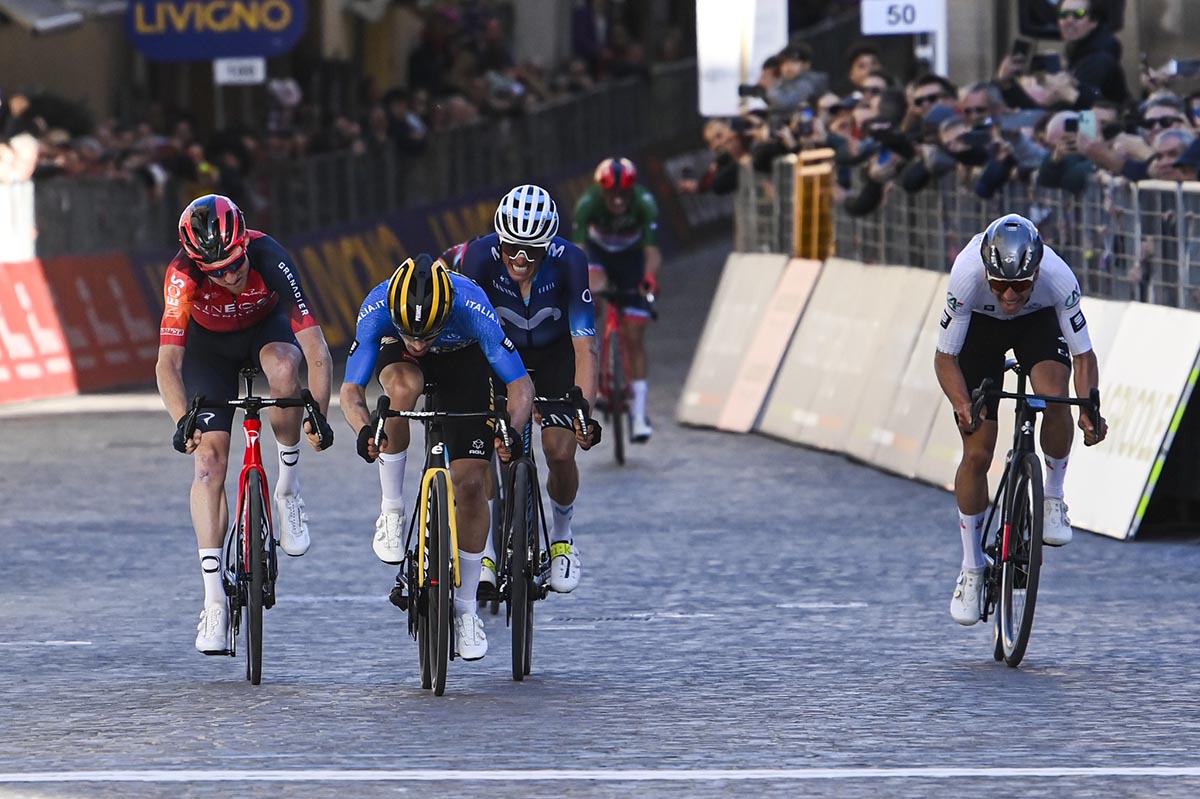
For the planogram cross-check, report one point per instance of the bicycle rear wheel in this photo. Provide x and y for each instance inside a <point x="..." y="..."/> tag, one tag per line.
<point x="616" y="398"/>
<point x="254" y="539"/>
<point x="524" y="543"/>
<point x="440" y="576"/>
<point x="1022" y="566"/>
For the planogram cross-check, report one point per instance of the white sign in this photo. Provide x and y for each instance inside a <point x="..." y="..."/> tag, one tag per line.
<point x="732" y="41"/>
<point x="882" y="17"/>
<point x="239" y="71"/>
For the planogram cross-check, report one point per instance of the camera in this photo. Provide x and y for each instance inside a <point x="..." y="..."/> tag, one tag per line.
<point x="1050" y="63"/>
<point x="752" y="90"/>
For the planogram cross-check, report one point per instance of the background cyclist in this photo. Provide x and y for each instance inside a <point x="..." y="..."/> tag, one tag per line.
<point x="232" y="296"/>
<point x="616" y="220"/>
<point x="426" y="323"/>
<point x="1008" y="290"/>
<point x="538" y="283"/>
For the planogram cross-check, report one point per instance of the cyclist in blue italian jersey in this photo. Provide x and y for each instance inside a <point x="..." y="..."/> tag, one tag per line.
<point x="426" y="323"/>
<point x="538" y="283"/>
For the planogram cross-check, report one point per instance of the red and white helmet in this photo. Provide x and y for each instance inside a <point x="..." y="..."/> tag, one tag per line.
<point x="212" y="231"/>
<point x="616" y="174"/>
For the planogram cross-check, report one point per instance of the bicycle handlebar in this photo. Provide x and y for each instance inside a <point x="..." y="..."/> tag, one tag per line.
<point x="312" y="413"/>
<point x="579" y="406"/>
<point x="383" y="412"/>
<point x="980" y="396"/>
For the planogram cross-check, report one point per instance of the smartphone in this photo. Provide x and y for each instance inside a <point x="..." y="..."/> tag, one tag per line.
<point x="1071" y="125"/>
<point x="1050" y="63"/>
<point x="1022" y="48"/>
<point x="884" y="156"/>
<point x="1183" y="67"/>
<point x="1087" y="124"/>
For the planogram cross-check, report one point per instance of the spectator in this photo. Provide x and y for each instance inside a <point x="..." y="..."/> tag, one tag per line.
<point x="798" y="82"/>
<point x="1093" y="60"/>
<point x="1188" y="164"/>
<point x="589" y="34"/>
<point x="924" y="93"/>
<point x="1169" y="149"/>
<point x="1064" y="167"/>
<point x="730" y="147"/>
<point x="861" y="61"/>
<point x="885" y="154"/>
<point x="18" y="145"/>
<point x="406" y="130"/>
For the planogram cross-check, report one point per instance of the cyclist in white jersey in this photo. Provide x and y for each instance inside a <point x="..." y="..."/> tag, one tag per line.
<point x="1009" y="291"/>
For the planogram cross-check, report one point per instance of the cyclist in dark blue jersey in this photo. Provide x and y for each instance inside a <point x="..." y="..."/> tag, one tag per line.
<point x="426" y="323"/>
<point x="538" y="283"/>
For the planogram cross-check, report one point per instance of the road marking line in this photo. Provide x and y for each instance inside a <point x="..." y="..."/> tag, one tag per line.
<point x="821" y="605"/>
<point x="45" y="643"/>
<point x="594" y="775"/>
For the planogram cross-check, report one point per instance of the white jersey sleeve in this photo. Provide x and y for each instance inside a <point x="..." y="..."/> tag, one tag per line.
<point x="962" y="295"/>
<point x="1064" y="293"/>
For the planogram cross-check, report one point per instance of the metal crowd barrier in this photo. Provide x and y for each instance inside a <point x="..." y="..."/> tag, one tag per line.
<point x="78" y="217"/>
<point x="1125" y="241"/>
<point x="789" y="211"/>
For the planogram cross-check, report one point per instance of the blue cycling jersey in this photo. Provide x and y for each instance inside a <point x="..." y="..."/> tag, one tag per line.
<point x="472" y="320"/>
<point x="559" y="303"/>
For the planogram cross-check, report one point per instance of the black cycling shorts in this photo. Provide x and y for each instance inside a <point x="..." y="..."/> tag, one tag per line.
<point x="1033" y="338"/>
<point x="464" y="385"/>
<point x="625" y="270"/>
<point x="212" y="362"/>
<point x="553" y="371"/>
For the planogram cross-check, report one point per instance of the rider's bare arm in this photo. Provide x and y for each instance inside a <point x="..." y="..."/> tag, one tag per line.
<point x="320" y="364"/>
<point x="950" y="378"/>
<point x="169" y="374"/>
<point x="520" y="401"/>
<point x="586" y="366"/>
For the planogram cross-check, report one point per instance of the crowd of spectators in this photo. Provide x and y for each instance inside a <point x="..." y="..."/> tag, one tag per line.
<point x="461" y="71"/>
<point x="1043" y="118"/>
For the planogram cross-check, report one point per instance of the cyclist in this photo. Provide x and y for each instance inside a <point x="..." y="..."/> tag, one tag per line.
<point x="616" y="220"/>
<point x="538" y="283"/>
<point x="426" y="323"/>
<point x="1008" y="290"/>
<point x="232" y="296"/>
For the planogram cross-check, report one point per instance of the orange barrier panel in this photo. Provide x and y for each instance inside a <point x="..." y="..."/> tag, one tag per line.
<point x="110" y="330"/>
<point x="34" y="361"/>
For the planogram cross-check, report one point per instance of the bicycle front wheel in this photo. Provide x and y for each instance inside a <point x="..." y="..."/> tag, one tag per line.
<point x="1021" y="561"/>
<point x="616" y="399"/>
<point x="253" y="532"/>
<point x="440" y="576"/>
<point x="523" y="531"/>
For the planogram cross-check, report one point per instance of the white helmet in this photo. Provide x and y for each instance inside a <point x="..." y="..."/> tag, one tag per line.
<point x="527" y="215"/>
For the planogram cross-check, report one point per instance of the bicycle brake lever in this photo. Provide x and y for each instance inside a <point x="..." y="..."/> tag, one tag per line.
<point x="381" y="409"/>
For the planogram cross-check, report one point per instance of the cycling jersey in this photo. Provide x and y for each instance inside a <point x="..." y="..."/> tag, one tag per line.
<point x="559" y="303"/>
<point x="637" y="227"/>
<point x="472" y="320"/>
<point x="189" y="295"/>
<point x="970" y="294"/>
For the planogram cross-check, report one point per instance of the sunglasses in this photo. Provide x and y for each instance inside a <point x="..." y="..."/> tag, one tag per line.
<point x="1000" y="286"/>
<point x="1077" y="13"/>
<point x="927" y="98"/>
<point x="1162" y="122"/>
<point x="869" y="90"/>
<point x="227" y="269"/>
<point x="976" y="109"/>
<point x="529" y="252"/>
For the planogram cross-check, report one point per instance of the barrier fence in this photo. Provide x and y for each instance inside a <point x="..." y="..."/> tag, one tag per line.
<point x="1126" y="241"/>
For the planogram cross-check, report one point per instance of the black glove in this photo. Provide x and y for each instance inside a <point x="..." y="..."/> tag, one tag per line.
<point x="594" y="433"/>
<point x="324" y="431"/>
<point x="179" y="440"/>
<point x="365" y="435"/>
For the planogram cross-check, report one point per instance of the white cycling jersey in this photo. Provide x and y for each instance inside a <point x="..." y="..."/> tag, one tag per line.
<point x="969" y="293"/>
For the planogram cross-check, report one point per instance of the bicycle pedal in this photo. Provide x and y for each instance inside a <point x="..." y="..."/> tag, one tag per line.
<point x="216" y="652"/>
<point x="399" y="596"/>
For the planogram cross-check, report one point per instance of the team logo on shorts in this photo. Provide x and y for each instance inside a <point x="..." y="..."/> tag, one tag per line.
<point x="477" y="447"/>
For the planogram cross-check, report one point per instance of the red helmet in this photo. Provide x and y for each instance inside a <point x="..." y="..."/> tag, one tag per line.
<point x="616" y="173"/>
<point x="213" y="231"/>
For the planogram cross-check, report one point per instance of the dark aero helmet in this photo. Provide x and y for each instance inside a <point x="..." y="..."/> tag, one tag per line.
<point x="213" y="231"/>
<point x="1011" y="248"/>
<point x="420" y="296"/>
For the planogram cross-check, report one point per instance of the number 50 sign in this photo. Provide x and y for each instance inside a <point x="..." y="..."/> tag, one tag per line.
<point x="881" y="17"/>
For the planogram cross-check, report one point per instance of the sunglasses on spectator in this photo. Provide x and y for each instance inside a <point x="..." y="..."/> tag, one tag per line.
<point x="975" y="109"/>
<point x="526" y="251"/>
<point x="1000" y="286"/>
<point x="927" y="98"/>
<point x="1077" y="13"/>
<point x="872" y="90"/>
<point x="1162" y="122"/>
<point x="227" y="269"/>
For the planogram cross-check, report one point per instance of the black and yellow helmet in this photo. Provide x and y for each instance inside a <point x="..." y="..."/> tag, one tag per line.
<point x="420" y="296"/>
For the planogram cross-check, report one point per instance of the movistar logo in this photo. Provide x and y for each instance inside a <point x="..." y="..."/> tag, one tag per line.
<point x="517" y="320"/>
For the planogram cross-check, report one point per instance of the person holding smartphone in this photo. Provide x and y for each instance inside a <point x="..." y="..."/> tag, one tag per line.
<point x="1065" y="167"/>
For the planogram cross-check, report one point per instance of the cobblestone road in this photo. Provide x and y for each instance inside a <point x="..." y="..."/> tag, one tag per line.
<point x="746" y="605"/>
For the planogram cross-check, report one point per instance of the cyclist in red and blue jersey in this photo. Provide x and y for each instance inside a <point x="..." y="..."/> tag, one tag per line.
<point x="616" y="220"/>
<point x="538" y="283"/>
<point x="232" y="296"/>
<point x="427" y="324"/>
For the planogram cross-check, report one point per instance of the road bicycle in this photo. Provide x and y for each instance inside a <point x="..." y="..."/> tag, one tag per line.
<point x="429" y="573"/>
<point x="523" y="551"/>
<point x="1013" y="545"/>
<point x="251" y="562"/>
<point x="614" y="396"/>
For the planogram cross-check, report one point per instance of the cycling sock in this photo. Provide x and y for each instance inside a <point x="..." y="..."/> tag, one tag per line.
<point x="289" y="470"/>
<point x="489" y="548"/>
<point x="640" y="389"/>
<point x="561" y="526"/>
<point x="468" y="575"/>
<point x="391" y="480"/>
<point x="970" y="526"/>
<point x="214" y="586"/>
<point x="1056" y="472"/>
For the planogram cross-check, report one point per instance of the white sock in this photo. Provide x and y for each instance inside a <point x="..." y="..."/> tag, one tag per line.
<point x="489" y="548"/>
<point x="289" y="470"/>
<point x="640" y="389"/>
<point x="970" y="527"/>
<point x="561" y="525"/>
<point x="391" y="480"/>
<point x="468" y="575"/>
<point x="1056" y="472"/>
<point x="210" y="566"/>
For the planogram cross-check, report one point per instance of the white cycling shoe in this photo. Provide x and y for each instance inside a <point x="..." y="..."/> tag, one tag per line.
<point x="968" y="590"/>
<point x="212" y="633"/>
<point x="469" y="638"/>
<point x="389" y="537"/>
<point x="1056" y="525"/>
<point x="293" y="525"/>
<point x="564" y="567"/>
